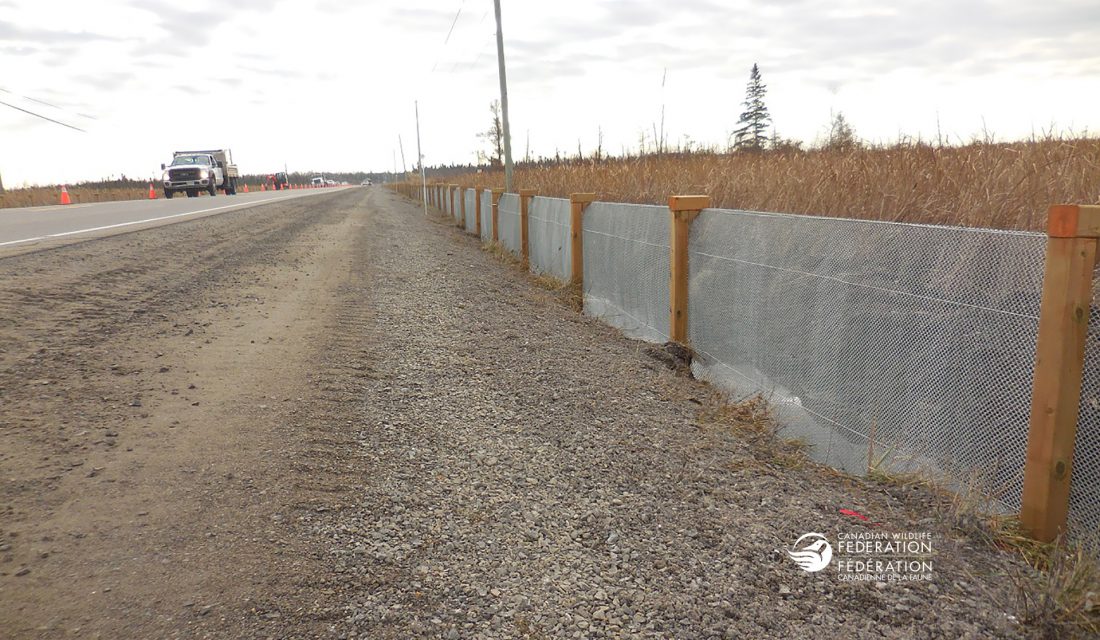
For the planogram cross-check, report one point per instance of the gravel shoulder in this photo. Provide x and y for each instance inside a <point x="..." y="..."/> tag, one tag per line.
<point x="341" y="419"/>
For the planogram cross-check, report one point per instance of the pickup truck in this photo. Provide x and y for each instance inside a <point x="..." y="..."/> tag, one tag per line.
<point x="195" y="171"/>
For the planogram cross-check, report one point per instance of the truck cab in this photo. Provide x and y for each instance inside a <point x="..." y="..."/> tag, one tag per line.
<point x="195" y="171"/>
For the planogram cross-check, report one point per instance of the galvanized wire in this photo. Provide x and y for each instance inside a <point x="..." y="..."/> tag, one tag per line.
<point x="548" y="237"/>
<point x="470" y="198"/>
<point x="508" y="222"/>
<point x="1084" y="494"/>
<point x="889" y="346"/>
<point x="486" y="215"/>
<point x="626" y="272"/>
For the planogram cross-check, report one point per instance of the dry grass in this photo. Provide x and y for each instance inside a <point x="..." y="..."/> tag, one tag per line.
<point x="1060" y="596"/>
<point x="38" y="196"/>
<point x="1006" y="185"/>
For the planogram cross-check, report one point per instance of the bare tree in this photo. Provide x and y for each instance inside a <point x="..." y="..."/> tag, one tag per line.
<point x="841" y="135"/>
<point x="494" y="136"/>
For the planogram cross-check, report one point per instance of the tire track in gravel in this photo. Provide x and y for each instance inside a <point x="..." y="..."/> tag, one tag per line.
<point x="147" y="486"/>
<point x="527" y="472"/>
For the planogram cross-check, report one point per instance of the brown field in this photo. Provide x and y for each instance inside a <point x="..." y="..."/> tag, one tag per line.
<point x="1007" y="185"/>
<point x="37" y="196"/>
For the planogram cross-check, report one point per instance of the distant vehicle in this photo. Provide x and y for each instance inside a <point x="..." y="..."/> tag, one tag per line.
<point x="330" y="183"/>
<point x="194" y="171"/>
<point x="318" y="181"/>
<point x="278" y="181"/>
<point x="366" y="183"/>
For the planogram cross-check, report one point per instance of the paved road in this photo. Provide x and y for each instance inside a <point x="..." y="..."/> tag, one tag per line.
<point x="40" y="227"/>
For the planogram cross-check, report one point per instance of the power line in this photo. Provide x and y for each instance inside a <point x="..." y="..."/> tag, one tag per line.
<point x="48" y="104"/>
<point x="453" y="23"/>
<point x="38" y="115"/>
<point x="449" y="32"/>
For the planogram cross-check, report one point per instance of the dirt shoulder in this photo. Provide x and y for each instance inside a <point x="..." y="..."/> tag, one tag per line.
<point x="336" y="418"/>
<point x="151" y="383"/>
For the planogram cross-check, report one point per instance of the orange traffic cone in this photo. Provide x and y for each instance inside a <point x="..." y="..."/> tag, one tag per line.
<point x="152" y="192"/>
<point x="246" y="187"/>
<point x="263" y="186"/>
<point x="65" y="195"/>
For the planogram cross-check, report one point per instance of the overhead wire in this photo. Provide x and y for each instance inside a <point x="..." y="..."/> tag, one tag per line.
<point x="38" y="115"/>
<point x="48" y="104"/>
<point x="449" y="32"/>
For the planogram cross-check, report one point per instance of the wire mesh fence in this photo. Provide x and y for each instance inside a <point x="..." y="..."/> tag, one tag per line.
<point x="508" y="222"/>
<point x="626" y="268"/>
<point x="1084" y="494"/>
<point x="486" y="215"/>
<point x="470" y="198"/>
<point x="548" y="231"/>
<point x="889" y="347"/>
<point x="884" y="346"/>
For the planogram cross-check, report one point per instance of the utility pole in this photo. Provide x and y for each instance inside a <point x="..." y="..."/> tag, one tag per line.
<point x="504" y="102"/>
<point x="404" y="167"/>
<point x="420" y="159"/>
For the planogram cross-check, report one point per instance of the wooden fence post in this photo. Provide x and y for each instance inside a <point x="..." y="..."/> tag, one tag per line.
<point x="578" y="203"/>
<point x="525" y="196"/>
<point x="451" y="190"/>
<point x="1072" y="233"/>
<point x="477" y="210"/>
<point x="496" y="213"/>
<point x="684" y="210"/>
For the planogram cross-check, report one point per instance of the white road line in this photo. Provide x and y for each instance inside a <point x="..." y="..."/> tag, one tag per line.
<point x="147" y="220"/>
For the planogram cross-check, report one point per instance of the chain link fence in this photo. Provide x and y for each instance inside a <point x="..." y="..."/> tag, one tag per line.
<point x="548" y="237"/>
<point x="626" y="277"/>
<point x="885" y="347"/>
<point x="1084" y="493"/>
<point x="470" y="199"/>
<point x="508" y="222"/>
<point x="486" y="215"/>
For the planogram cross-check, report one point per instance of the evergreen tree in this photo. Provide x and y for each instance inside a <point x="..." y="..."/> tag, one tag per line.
<point x="752" y="132"/>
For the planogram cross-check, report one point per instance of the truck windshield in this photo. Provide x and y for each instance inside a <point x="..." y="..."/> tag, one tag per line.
<point x="178" y="160"/>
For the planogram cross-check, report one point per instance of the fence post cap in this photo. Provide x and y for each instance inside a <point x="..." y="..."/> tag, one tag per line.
<point x="688" y="203"/>
<point x="526" y="193"/>
<point x="582" y="198"/>
<point x="1073" y="221"/>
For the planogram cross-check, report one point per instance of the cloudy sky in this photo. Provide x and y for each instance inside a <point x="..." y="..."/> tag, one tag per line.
<point x="330" y="84"/>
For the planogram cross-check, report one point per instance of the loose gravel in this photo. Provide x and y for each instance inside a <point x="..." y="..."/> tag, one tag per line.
<point x="532" y="473"/>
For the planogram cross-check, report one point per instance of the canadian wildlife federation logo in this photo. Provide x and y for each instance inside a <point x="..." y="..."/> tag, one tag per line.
<point x="812" y="552"/>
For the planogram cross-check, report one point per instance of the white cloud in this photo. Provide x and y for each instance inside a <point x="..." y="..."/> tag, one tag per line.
<point x="330" y="85"/>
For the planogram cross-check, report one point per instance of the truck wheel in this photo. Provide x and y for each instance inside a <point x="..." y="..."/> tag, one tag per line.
<point x="168" y="193"/>
<point x="213" y="188"/>
<point x="232" y="190"/>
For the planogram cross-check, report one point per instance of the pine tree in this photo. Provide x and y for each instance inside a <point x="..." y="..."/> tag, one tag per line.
<point x="752" y="134"/>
